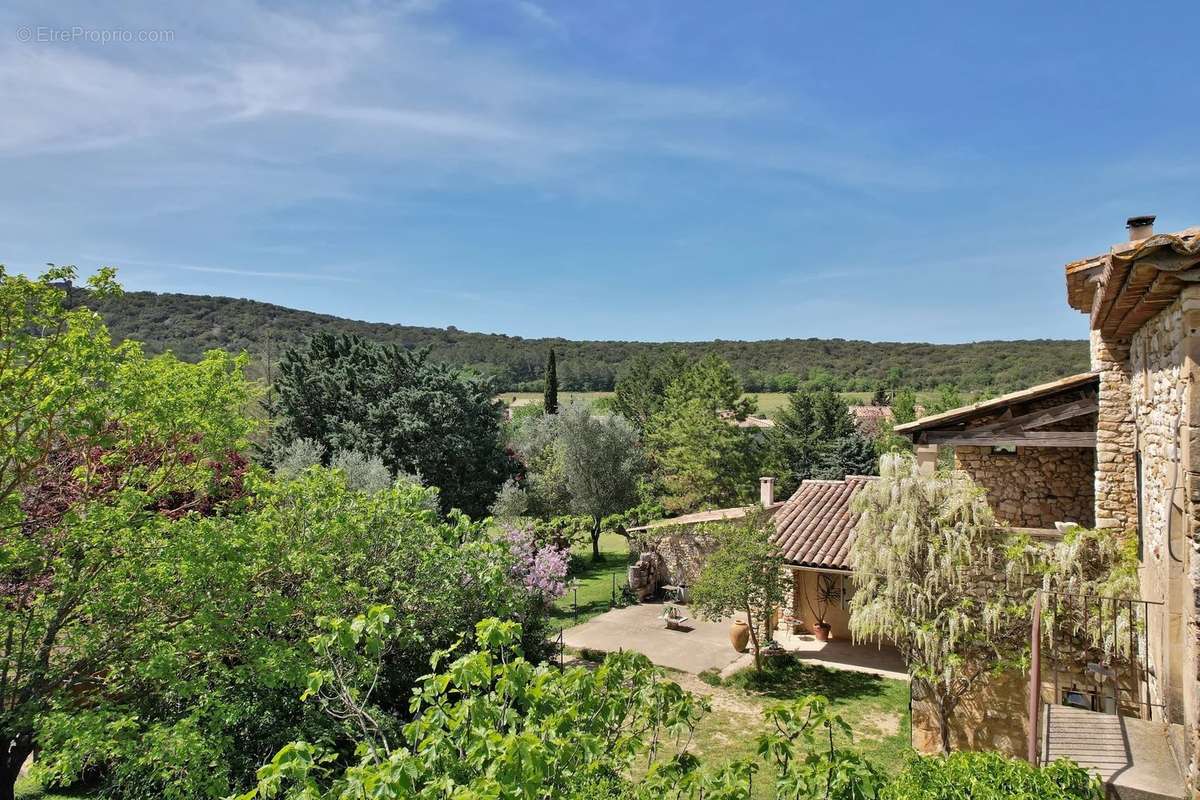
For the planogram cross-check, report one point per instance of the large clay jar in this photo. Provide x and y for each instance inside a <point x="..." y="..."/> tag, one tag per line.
<point x="822" y="629"/>
<point x="739" y="635"/>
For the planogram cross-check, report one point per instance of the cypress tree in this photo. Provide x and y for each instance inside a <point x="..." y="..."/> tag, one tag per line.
<point x="550" y="398"/>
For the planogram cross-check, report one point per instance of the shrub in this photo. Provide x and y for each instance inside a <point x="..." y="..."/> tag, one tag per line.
<point x="990" y="776"/>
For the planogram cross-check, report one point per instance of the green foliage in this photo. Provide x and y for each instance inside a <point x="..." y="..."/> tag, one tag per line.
<point x="702" y="459"/>
<point x="195" y="708"/>
<point x="189" y="324"/>
<point x="904" y="406"/>
<point x="102" y="448"/>
<point x="744" y="574"/>
<point x="363" y="473"/>
<point x="817" y="768"/>
<point x="489" y="723"/>
<point x="419" y="417"/>
<point x="550" y="398"/>
<point x="576" y="463"/>
<point x="641" y="391"/>
<point x="990" y="776"/>
<point x="815" y="437"/>
<point x="948" y="399"/>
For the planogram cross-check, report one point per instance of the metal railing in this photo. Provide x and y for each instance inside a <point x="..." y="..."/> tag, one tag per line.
<point x="1093" y="652"/>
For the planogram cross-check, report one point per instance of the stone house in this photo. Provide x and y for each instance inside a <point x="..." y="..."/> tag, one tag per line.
<point x="1115" y="448"/>
<point x="813" y="530"/>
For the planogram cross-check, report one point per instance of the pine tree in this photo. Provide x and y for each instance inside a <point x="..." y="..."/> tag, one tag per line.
<point x="550" y="398"/>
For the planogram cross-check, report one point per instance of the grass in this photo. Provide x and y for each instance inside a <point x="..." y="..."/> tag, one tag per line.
<point x="29" y="789"/>
<point x="595" y="580"/>
<point x="876" y="709"/>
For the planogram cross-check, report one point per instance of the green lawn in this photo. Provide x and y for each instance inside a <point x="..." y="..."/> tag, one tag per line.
<point x="28" y="789"/>
<point x="876" y="709"/>
<point x="595" y="580"/>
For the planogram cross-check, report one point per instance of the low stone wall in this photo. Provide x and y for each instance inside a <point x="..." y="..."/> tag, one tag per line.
<point x="682" y="554"/>
<point x="1034" y="487"/>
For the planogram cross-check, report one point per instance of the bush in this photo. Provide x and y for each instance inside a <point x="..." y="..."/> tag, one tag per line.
<point x="990" y="776"/>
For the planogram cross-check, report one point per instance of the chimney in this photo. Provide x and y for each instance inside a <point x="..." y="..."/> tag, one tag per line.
<point x="766" y="491"/>
<point x="1140" y="227"/>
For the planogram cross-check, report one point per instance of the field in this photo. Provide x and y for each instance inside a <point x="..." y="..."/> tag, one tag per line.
<point x="768" y="402"/>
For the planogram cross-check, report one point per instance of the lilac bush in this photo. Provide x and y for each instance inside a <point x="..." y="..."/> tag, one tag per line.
<point x="538" y="565"/>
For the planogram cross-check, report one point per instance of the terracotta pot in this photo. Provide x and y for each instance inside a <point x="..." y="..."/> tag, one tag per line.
<point x="739" y="635"/>
<point x="821" y="630"/>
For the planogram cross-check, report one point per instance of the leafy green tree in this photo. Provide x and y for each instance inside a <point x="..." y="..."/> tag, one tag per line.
<point x="53" y="377"/>
<point x="195" y="709"/>
<point x="488" y="723"/>
<point x="918" y="551"/>
<point x="103" y="450"/>
<point x="421" y="418"/>
<point x="904" y="406"/>
<point x="744" y="574"/>
<point x="550" y="397"/>
<point x="700" y="456"/>
<point x="641" y="391"/>
<point x="947" y="399"/>
<point x="575" y="463"/>
<point x="815" y="437"/>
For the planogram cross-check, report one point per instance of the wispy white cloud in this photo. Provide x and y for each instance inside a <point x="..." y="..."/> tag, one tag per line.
<point x="403" y="85"/>
<point x="539" y="16"/>
<point x="219" y="270"/>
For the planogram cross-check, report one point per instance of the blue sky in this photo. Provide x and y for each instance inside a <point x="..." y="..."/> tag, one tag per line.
<point x="608" y="170"/>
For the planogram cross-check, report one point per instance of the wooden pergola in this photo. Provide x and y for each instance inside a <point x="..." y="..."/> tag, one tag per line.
<point x="1017" y="419"/>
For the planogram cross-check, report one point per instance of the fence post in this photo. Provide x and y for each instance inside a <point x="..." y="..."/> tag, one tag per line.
<point x="1035" y="678"/>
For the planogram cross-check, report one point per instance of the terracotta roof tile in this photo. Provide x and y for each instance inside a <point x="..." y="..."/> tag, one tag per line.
<point x="815" y="527"/>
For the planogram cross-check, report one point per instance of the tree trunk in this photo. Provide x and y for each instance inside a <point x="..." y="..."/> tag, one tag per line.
<point x="595" y="538"/>
<point x="13" y="752"/>
<point x="943" y="719"/>
<point x="754" y="639"/>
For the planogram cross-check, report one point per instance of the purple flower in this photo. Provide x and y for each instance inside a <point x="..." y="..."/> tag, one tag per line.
<point x="538" y="566"/>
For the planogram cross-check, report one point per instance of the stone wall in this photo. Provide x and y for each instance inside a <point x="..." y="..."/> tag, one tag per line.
<point x="682" y="551"/>
<point x="1034" y="487"/>
<point x="1159" y="388"/>
<point x="1116" y="502"/>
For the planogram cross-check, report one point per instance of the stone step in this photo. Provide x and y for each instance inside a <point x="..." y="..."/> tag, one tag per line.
<point x="1132" y="756"/>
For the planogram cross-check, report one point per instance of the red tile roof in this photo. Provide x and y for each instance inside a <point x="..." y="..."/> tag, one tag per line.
<point x="815" y="526"/>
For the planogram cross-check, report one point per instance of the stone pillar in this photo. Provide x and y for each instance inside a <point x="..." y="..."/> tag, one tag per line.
<point x="1116" y="502"/>
<point x="927" y="457"/>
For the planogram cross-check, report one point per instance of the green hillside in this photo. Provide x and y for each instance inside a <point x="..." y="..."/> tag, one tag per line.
<point x="190" y="324"/>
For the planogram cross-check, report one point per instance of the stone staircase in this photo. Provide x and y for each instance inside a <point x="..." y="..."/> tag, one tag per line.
<point x="1133" y="757"/>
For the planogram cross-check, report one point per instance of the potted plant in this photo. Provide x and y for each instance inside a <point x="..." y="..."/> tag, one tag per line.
<point x="827" y="592"/>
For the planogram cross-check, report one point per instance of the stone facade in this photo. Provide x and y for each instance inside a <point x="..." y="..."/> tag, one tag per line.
<point x="1034" y="487"/>
<point x="1115" y="483"/>
<point x="1147" y="463"/>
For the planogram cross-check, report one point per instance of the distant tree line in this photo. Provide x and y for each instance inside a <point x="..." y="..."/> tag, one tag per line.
<point x="190" y="325"/>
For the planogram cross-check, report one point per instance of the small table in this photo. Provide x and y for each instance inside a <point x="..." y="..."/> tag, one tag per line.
<point x="673" y="593"/>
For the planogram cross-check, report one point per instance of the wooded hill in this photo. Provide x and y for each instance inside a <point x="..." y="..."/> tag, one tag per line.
<point x="188" y="325"/>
